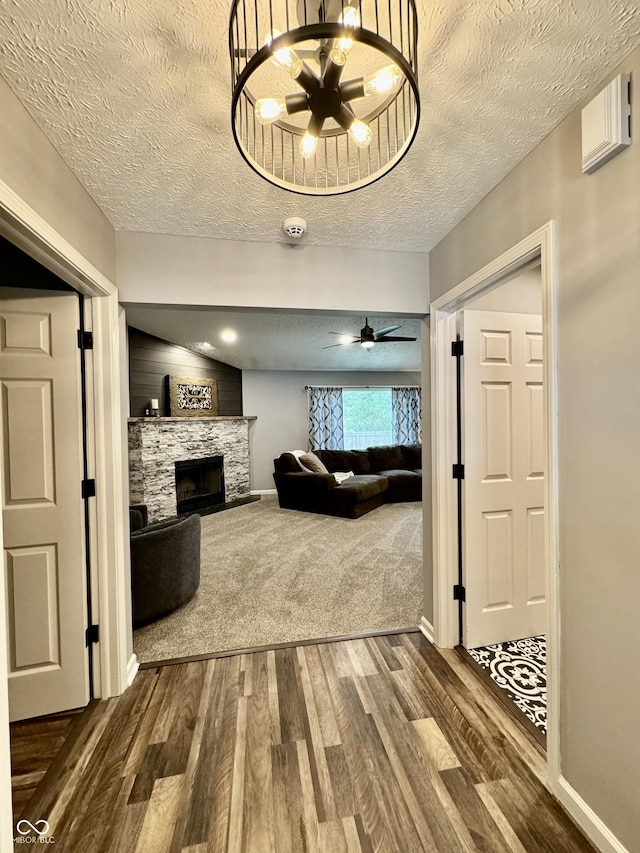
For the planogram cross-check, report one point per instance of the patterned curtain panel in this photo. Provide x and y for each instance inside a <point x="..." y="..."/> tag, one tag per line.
<point x="325" y="419"/>
<point x="406" y="409"/>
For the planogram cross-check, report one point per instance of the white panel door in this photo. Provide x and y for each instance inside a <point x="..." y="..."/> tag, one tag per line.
<point x="42" y="511"/>
<point x="503" y="455"/>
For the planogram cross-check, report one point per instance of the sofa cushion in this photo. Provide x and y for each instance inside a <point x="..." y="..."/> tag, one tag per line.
<point x="412" y="455"/>
<point x="346" y="460"/>
<point x="385" y="458"/>
<point x="311" y="462"/>
<point x="360" y="487"/>
<point x="399" y="478"/>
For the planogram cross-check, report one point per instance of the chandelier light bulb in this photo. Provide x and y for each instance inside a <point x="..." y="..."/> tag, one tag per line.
<point x="286" y="57"/>
<point x="268" y="110"/>
<point x="382" y="81"/>
<point x="360" y="133"/>
<point x="349" y="18"/>
<point x="308" y="145"/>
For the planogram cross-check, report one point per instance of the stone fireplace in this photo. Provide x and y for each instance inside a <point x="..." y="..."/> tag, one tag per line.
<point x="158" y="445"/>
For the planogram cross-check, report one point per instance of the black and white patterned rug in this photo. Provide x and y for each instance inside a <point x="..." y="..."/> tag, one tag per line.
<point x="520" y="668"/>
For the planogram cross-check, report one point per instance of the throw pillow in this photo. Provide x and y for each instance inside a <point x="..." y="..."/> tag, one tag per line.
<point x="298" y="454"/>
<point x="311" y="462"/>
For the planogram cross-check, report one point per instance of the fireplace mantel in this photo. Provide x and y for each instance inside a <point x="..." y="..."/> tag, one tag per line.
<point x="151" y="420"/>
<point x="156" y="444"/>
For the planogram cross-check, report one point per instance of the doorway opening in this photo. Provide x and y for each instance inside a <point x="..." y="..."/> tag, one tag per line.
<point x="488" y="542"/>
<point x="503" y="620"/>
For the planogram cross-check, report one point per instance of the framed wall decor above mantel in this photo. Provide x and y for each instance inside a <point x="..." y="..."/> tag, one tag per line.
<point x="192" y="397"/>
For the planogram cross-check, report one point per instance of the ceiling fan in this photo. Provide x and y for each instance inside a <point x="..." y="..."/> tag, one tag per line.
<point x="368" y="337"/>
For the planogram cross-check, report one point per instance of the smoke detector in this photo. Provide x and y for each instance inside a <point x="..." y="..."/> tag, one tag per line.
<point x="294" y="227"/>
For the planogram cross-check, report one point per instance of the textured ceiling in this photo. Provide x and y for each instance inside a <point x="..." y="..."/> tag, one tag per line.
<point x="280" y="340"/>
<point x="136" y="98"/>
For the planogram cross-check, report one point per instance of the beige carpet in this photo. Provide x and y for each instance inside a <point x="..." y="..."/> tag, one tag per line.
<point x="271" y="575"/>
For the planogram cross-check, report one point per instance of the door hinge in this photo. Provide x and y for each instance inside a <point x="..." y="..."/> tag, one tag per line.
<point x="92" y="635"/>
<point x="88" y="489"/>
<point x="459" y="592"/>
<point x="458" y="471"/>
<point x="457" y="348"/>
<point x="85" y="340"/>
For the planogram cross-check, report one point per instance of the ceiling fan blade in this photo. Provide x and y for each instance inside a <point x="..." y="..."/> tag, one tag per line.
<point x="384" y="331"/>
<point x="344" y="334"/>
<point x="391" y="338"/>
<point x="357" y="341"/>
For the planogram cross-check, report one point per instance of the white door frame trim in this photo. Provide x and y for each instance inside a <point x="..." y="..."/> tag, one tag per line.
<point x="21" y="224"/>
<point x="27" y="229"/>
<point x="539" y="244"/>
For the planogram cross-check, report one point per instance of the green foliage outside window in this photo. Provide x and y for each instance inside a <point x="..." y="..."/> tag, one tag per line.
<point x="367" y="410"/>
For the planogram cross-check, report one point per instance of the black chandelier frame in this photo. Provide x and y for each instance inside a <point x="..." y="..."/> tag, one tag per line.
<point x="248" y="137"/>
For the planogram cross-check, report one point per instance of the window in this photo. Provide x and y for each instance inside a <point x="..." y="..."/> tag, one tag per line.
<point x="367" y="417"/>
<point x="357" y="418"/>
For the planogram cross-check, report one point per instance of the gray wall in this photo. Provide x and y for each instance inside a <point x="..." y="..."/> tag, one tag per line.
<point x="598" y="305"/>
<point x="33" y="169"/>
<point x="269" y="275"/>
<point x="279" y="400"/>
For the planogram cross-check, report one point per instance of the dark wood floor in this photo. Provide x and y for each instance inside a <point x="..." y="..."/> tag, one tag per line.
<point x="381" y="744"/>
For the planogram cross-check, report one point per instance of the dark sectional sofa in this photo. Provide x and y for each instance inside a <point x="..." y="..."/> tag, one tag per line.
<point x="381" y="475"/>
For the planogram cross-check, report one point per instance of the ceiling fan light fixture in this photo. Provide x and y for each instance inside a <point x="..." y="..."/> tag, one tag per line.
<point x="328" y="102"/>
<point x="368" y="337"/>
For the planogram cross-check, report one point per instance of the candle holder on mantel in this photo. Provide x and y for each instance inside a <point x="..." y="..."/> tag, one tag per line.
<point x="155" y="409"/>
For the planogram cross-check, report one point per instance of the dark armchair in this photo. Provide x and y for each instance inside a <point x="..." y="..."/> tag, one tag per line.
<point x="165" y="564"/>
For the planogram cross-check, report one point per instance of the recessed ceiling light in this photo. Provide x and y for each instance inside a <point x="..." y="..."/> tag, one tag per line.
<point x="228" y="336"/>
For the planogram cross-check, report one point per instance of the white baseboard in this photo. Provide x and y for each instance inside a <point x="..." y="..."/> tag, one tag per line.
<point x="427" y="629"/>
<point x="132" y="669"/>
<point x="263" y="492"/>
<point x="588" y="821"/>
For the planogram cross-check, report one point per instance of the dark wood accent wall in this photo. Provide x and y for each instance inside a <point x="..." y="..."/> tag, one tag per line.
<point x="151" y="360"/>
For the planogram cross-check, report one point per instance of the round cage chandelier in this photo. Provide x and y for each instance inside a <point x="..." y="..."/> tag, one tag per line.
<point x="325" y="92"/>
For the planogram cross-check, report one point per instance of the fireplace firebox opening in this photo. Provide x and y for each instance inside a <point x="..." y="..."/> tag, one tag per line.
<point x="199" y="483"/>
